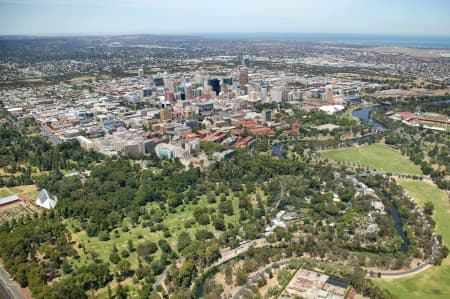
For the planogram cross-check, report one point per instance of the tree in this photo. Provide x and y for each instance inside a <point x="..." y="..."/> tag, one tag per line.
<point x="203" y="235"/>
<point x="147" y="248"/>
<point x="184" y="240"/>
<point x="283" y="277"/>
<point x="428" y="208"/>
<point x="131" y="246"/>
<point x="219" y="223"/>
<point x="124" y="253"/>
<point x="228" y="275"/>
<point x="261" y="281"/>
<point x="164" y="245"/>
<point x="241" y="276"/>
<point x="114" y="258"/>
<point x="124" y="267"/>
<point x="121" y="292"/>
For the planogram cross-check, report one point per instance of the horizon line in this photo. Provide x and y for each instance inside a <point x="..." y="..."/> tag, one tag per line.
<point x="80" y="34"/>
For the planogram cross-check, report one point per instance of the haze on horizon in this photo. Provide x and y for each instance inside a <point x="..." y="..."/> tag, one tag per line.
<point x="393" y="17"/>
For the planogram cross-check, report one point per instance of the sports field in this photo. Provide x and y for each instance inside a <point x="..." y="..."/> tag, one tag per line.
<point x="378" y="156"/>
<point x="433" y="282"/>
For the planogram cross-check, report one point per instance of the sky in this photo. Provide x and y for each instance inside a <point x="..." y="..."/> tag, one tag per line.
<point x="394" y="17"/>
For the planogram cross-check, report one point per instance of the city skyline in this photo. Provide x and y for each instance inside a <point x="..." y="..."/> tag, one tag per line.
<point x="49" y="17"/>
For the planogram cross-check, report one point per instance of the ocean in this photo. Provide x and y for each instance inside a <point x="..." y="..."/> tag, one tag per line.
<point x="354" y="39"/>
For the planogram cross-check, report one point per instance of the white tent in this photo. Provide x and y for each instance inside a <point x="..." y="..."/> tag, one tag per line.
<point x="46" y="200"/>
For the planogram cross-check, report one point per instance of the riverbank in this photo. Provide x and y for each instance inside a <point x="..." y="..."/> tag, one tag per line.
<point x="433" y="282"/>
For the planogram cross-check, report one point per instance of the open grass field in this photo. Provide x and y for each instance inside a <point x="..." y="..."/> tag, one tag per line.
<point x="433" y="282"/>
<point x="378" y="156"/>
<point x="29" y="191"/>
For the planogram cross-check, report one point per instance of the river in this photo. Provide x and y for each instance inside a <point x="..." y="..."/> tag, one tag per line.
<point x="364" y="115"/>
<point x="276" y="149"/>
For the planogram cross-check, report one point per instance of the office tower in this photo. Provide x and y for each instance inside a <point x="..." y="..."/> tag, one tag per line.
<point x="243" y="76"/>
<point x="329" y="95"/>
<point x="266" y="115"/>
<point x="170" y="96"/>
<point x="276" y="94"/>
<point x="198" y="92"/>
<point x="159" y="82"/>
<point x="228" y="81"/>
<point x="247" y="88"/>
<point x="215" y="85"/>
<point x="141" y="73"/>
<point x="188" y="91"/>
<point x="165" y="115"/>
<point x="147" y="92"/>
<point x="284" y="94"/>
<point x="263" y="93"/>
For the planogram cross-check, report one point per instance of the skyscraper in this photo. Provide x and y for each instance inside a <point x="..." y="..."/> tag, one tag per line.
<point x="329" y="95"/>
<point x="228" y="81"/>
<point x="266" y="115"/>
<point x="158" y="82"/>
<point x="215" y="85"/>
<point x="243" y="76"/>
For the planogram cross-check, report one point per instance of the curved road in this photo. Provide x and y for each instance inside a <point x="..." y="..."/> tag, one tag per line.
<point x="258" y="276"/>
<point x="225" y="257"/>
<point x="416" y="269"/>
<point x="398" y="274"/>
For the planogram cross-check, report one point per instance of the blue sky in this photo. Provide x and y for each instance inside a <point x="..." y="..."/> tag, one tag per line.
<point x="410" y="17"/>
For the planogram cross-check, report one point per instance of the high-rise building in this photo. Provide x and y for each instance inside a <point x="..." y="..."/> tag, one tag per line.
<point x="215" y="85"/>
<point x="246" y="89"/>
<point x="165" y="115"/>
<point x="276" y="94"/>
<point x="284" y="94"/>
<point x="147" y="92"/>
<point x="228" y="81"/>
<point x="158" y="82"/>
<point x="243" y="76"/>
<point x="169" y="96"/>
<point x="188" y="91"/>
<point x="329" y="95"/>
<point x="263" y="93"/>
<point x="266" y="116"/>
<point x="141" y="73"/>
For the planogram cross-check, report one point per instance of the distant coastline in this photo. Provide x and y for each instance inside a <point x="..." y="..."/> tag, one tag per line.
<point x="412" y="41"/>
<point x="353" y="39"/>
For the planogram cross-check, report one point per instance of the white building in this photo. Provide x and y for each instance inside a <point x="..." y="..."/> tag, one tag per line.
<point x="46" y="200"/>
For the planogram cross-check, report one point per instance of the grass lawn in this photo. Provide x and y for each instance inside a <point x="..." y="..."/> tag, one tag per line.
<point x="378" y="156"/>
<point x="434" y="282"/>
<point x="29" y="191"/>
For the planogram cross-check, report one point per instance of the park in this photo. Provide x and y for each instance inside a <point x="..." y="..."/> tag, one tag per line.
<point x="377" y="156"/>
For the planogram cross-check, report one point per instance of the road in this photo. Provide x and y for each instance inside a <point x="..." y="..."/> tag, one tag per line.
<point x="416" y="269"/>
<point x="8" y="288"/>
<point x="164" y="273"/>
<point x="225" y="257"/>
<point x="258" y="276"/>
<point x="231" y="254"/>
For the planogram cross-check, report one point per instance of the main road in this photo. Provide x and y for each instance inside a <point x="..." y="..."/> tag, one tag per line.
<point x="225" y="256"/>
<point x="8" y="288"/>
